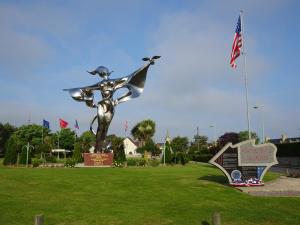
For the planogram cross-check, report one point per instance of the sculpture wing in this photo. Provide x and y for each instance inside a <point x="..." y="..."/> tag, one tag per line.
<point x="135" y="82"/>
<point x="83" y="94"/>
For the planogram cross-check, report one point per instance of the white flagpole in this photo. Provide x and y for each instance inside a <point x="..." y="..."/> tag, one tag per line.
<point x="245" y="73"/>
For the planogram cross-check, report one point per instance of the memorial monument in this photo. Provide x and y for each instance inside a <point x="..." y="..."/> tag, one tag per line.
<point x="134" y="82"/>
<point x="245" y="163"/>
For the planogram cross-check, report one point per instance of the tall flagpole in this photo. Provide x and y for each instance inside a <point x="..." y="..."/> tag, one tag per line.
<point x="245" y="73"/>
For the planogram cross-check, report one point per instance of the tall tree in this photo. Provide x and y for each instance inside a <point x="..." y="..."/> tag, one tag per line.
<point x="66" y="138"/>
<point x="243" y="136"/>
<point x="228" y="137"/>
<point x="6" y="131"/>
<point x="180" y="144"/>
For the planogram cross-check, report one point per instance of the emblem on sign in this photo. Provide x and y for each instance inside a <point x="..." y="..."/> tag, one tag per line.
<point x="245" y="163"/>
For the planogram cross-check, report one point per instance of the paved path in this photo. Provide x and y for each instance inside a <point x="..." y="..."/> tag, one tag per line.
<point x="283" y="186"/>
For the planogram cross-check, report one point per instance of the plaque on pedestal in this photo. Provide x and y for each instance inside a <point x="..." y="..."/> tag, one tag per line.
<point x="98" y="159"/>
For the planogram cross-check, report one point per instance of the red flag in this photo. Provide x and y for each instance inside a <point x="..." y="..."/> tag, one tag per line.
<point x="237" y="44"/>
<point x="63" y="123"/>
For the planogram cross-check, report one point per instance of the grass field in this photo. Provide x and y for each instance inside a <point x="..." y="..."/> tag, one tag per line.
<point x="146" y="196"/>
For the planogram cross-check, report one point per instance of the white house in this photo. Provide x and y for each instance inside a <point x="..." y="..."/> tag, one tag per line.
<point x="130" y="148"/>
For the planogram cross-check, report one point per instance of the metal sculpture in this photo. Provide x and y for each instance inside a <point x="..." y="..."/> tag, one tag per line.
<point x="135" y="83"/>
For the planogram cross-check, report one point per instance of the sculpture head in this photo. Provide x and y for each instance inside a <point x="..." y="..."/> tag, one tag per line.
<point x="102" y="71"/>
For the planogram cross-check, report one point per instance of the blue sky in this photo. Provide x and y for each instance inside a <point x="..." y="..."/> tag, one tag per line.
<point x="47" y="46"/>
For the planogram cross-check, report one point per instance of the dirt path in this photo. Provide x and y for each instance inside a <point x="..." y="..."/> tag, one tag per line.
<point x="284" y="186"/>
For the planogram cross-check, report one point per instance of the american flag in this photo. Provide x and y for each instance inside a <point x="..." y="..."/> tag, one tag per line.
<point x="237" y="44"/>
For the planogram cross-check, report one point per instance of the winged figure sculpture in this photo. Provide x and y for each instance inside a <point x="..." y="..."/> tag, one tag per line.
<point x="134" y="83"/>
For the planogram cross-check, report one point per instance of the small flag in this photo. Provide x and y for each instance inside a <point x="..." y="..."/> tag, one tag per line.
<point x="46" y="124"/>
<point x="76" y="124"/>
<point x="126" y="126"/>
<point x="237" y="44"/>
<point x="63" y="123"/>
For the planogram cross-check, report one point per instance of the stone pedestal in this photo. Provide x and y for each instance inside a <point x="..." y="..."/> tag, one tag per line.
<point x="98" y="159"/>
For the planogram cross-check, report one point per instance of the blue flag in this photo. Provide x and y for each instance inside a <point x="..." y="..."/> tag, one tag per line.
<point x="46" y="124"/>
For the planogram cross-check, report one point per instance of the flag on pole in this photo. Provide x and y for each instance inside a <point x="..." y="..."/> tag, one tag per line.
<point x="126" y="126"/>
<point x="76" y="125"/>
<point x="46" y="124"/>
<point x="237" y="44"/>
<point x="63" y="123"/>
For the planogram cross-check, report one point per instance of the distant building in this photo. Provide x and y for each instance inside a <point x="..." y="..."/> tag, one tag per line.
<point x="288" y="151"/>
<point x="130" y="147"/>
<point x="283" y="139"/>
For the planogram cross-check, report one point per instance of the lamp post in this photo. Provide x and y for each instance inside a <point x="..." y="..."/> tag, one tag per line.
<point x="261" y="108"/>
<point x="214" y="132"/>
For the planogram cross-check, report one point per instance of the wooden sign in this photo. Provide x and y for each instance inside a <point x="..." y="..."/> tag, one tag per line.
<point x="245" y="163"/>
<point x="98" y="159"/>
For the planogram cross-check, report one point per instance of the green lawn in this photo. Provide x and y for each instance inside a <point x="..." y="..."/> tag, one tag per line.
<point x="146" y="196"/>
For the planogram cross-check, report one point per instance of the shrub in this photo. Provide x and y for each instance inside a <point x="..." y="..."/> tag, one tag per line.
<point x="70" y="162"/>
<point x="132" y="161"/>
<point x="154" y="162"/>
<point x="37" y="162"/>
<point x="50" y="159"/>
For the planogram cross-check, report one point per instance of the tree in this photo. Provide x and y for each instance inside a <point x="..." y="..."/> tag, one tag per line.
<point x="243" y="136"/>
<point x="226" y="138"/>
<point x="118" y="148"/>
<point x="31" y="133"/>
<point x="66" y="138"/>
<point x="198" y="150"/>
<point x="143" y="131"/>
<point x="6" y="131"/>
<point x="13" y="146"/>
<point x="149" y="146"/>
<point x="87" y="140"/>
<point x="179" y="144"/>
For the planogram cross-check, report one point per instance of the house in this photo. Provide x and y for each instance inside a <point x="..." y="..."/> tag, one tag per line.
<point x="130" y="147"/>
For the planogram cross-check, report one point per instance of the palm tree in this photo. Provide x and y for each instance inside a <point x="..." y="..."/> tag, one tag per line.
<point x="143" y="131"/>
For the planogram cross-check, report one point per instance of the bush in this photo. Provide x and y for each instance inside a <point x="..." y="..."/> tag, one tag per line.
<point x="154" y="162"/>
<point x="50" y="159"/>
<point x="70" y="162"/>
<point x="132" y="161"/>
<point x="37" y="162"/>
